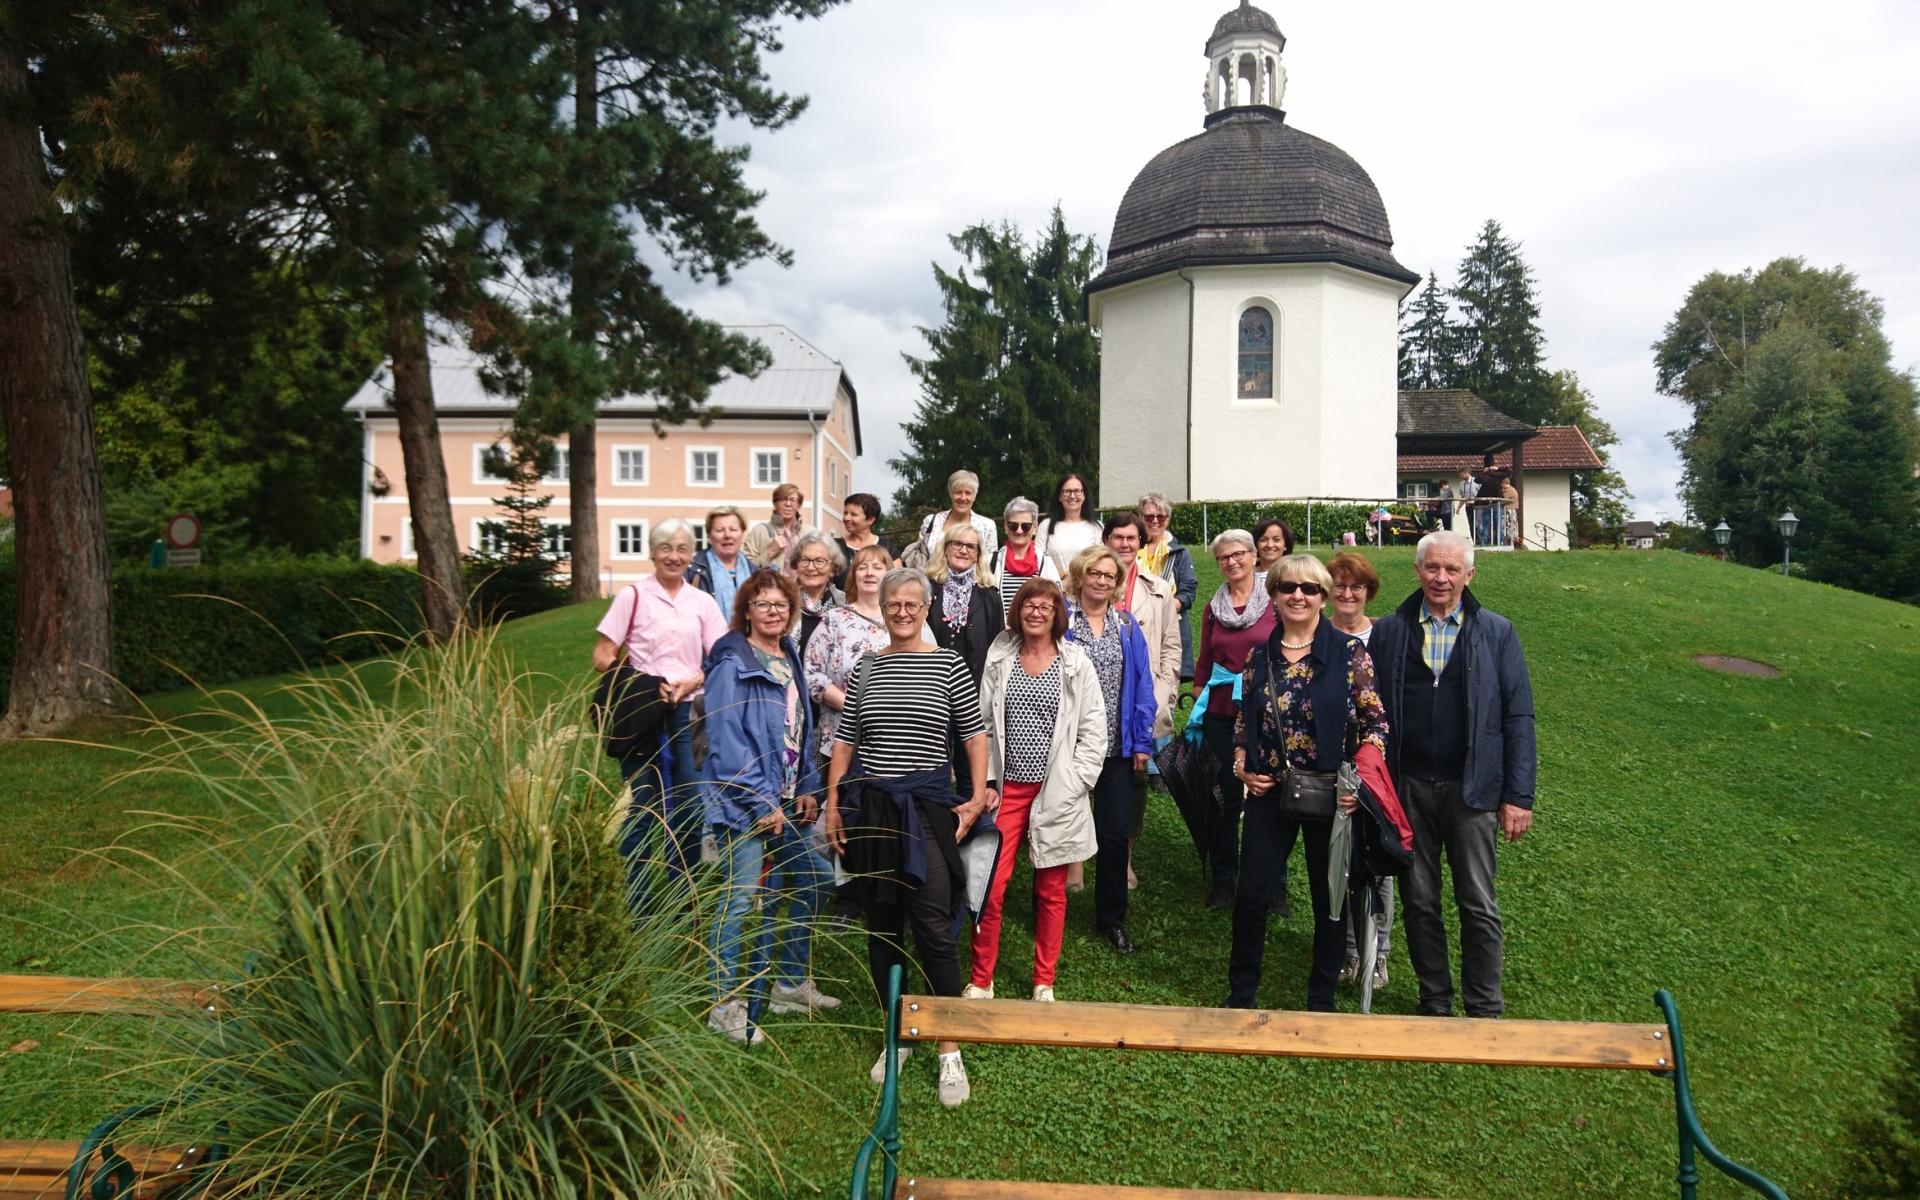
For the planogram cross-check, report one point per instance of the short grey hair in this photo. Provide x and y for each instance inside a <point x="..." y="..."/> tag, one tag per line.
<point x="667" y="530"/>
<point x="901" y="577"/>
<point x="1232" y="537"/>
<point x="1156" y="500"/>
<point x="1020" y="504"/>
<point x="963" y="478"/>
<point x="814" y="537"/>
<point x="1447" y="538"/>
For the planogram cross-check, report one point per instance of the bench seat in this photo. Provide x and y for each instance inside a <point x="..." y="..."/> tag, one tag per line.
<point x="36" y="1169"/>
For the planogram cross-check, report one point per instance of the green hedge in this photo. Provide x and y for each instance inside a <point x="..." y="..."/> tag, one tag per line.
<point x="218" y="624"/>
<point x="1329" y="520"/>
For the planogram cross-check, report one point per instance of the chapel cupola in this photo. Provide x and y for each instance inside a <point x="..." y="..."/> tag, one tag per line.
<point x="1243" y="61"/>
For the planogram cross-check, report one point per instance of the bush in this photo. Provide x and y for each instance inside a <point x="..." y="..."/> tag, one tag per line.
<point x="500" y="591"/>
<point x="217" y="624"/>
<point x="1329" y="520"/>
<point x="1882" y="1151"/>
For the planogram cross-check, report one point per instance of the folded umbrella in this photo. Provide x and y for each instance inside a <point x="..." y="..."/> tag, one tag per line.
<point x="1188" y="771"/>
<point x="1365" y="932"/>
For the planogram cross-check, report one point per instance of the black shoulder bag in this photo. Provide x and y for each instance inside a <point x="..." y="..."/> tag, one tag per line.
<point x="626" y="702"/>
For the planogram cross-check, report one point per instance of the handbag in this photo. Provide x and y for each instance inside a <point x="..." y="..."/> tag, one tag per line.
<point x="1305" y="795"/>
<point x="627" y="706"/>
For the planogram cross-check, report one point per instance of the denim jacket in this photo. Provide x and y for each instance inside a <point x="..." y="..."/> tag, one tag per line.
<point x="746" y="734"/>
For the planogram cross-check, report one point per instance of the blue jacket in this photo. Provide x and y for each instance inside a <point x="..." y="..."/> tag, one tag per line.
<point x="1138" y="705"/>
<point x="746" y="734"/>
<point x="1501" y="759"/>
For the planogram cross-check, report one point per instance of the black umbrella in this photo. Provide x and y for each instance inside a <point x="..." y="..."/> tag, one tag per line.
<point x="1188" y="772"/>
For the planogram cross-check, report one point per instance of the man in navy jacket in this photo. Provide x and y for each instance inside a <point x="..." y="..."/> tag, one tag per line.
<point x="1461" y="753"/>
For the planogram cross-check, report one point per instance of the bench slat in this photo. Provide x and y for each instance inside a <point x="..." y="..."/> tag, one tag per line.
<point x="38" y="1167"/>
<point x="997" y="1189"/>
<point x="1288" y="1034"/>
<point x="73" y="994"/>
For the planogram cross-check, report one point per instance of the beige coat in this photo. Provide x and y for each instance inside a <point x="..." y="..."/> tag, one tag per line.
<point x="1060" y="827"/>
<point x="764" y="550"/>
<point x="1159" y="616"/>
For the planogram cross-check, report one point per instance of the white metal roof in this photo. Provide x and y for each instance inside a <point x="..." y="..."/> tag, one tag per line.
<point x="801" y="380"/>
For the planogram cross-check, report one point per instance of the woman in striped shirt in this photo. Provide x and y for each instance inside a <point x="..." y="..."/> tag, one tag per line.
<point x="899" y="824"/>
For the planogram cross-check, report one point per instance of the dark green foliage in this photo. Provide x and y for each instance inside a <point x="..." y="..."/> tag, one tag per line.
<point x="1499" y="347"/>
<point x="1428" y="339"/>
<point x="516" y="578"/>
<point x="1011" y="388"/>
<point x="1599" y="497"/>
<point x="1882" y="1153"/>
<point x="1194" y="527"/>
<point x="213" y="625"/>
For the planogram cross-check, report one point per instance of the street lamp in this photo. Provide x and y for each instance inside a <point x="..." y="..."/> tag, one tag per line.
<point x="1722" y="534"/>
<point x="1788" y="523"/>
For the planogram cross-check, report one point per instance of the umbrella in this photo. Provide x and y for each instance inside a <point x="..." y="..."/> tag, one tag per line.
<point x="1365" y="939"/>
<point x="1188" y="772"/>
<point x="1340" y="840"/>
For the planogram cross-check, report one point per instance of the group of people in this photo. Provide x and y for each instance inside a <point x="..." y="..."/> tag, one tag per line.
<point x="908" y="720"/>
<point x="1488" y="499"/>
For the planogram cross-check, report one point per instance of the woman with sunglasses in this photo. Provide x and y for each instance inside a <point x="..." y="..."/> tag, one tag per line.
<point x="1308" y="703"/>
<point x="1021" y="558"/>
<point x="1165" y="555"/>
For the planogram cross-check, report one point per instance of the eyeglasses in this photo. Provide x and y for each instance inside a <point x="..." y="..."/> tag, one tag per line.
<point x="1073" y="491"/>
<point x="1039" y="608"/>
<point x="1236" y="556"/>
<point x="903" y="608"/>
<point x="820" y="563"/>
<point x="1287" y="587"/>
<point x="1350" y="587"/>
<point x="968" y="547"/>
<point x="1109" y="576"/>
<point x="769" y="606"/>
<point x="1019" y="526"/>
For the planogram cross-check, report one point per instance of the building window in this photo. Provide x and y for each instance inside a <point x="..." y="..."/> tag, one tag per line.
<point x="562" y="465"/>
<point x="493" y="464"/>
<point x="1256" y="354"/>
<point x="559" y="539"/>
<point x="630" y="465"/>
<point x="703" y="466"/>
<point x="699" y="535"/>
<point x="1415" y="489"/>
<point x="489" y="538"/>
<point x="769" y="468"/>
<point x="406" y="540"/>
<point x="629" y="539"/>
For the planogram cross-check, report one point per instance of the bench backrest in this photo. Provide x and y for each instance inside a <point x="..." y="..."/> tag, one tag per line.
<point x="1286" y="1034"/>
<point x="102" y="997"/>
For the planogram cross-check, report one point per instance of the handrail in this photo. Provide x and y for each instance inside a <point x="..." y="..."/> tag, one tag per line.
<point x="1692" y="1136"/>
<point x="885" y="1134"/>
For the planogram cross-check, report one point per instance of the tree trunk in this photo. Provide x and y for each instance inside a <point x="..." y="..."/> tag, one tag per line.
<point x="63" y="617"/>
<point x="583" y="449"/>
<point x="429" y="503"/>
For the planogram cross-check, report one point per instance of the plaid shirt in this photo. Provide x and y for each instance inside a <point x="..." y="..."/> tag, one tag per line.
<point x="1440" y="633"/>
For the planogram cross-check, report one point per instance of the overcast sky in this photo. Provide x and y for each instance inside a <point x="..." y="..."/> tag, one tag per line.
<point x="1630" y="147"/>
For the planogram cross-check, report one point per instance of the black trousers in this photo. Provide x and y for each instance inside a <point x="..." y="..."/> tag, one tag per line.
<point x="1223" y="848"/>
<point x="929" y="910"/>
<point x="1266" y="840"/>
<point x="1112" y="826"/>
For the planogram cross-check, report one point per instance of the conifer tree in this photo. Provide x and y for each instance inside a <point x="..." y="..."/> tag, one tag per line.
<point x="1599" y="500"/>
<point x="1500" y="347"/>
<point x="1427" y="339"/>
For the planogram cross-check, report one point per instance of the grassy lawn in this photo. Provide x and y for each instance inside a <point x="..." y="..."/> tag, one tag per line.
<point x="1750" y="844"/>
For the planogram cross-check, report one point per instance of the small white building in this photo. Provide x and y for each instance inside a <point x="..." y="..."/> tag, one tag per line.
<point x="1248" y="309"/>
<point x="1550" y="458"/>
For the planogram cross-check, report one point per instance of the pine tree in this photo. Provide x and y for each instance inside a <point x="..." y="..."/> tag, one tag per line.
<point x="1599" y="500"/>
<point x="1500" y="348"/>
<point x="1427" y="340"/>
<point x="516" y="561"/>
<point x="1011" y="387"/>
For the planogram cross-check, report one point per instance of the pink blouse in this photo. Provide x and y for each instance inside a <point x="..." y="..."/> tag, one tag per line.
<point x="671" y="635"/>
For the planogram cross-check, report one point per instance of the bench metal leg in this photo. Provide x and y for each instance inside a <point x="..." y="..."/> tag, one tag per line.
<point x="1692" y="1137"/>
<point x="885" y="1134"/>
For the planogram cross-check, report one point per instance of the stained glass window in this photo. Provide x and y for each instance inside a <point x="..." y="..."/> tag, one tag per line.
<point x="1256" y="354"/>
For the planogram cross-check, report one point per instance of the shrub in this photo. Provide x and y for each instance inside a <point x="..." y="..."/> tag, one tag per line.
<point x="1882" y="1151"/>
<point x="1192" y="526"/>
<point x="217" y="624"/>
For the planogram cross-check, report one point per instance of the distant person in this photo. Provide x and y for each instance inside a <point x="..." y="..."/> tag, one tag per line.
<point x="1167" y="558"/>
<point x="1443" y="507"/>
<point x="723" y="566"/>
<point x="1237" y="618"/>
<point x="1469" y="491"/>
<point x="1486" y="503"/>
<point x="1020" y="558"/>
<point x="1046" y="720"/>
<point x="768" y="541"/>
<point x="963" y="487"/>
<point x="860" y="514"/>
<point x="1355" y="584"/>
<point x="1461" y="754"/>
<point x="1070" y="525"/>
<point x="1272" y="540"/>
<point x="1509" y="512"/>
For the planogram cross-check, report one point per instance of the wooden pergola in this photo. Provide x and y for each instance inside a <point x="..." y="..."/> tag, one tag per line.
<point x="1454" y="421"/>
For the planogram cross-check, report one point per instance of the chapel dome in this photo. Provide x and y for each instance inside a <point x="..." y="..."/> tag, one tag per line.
<point x="1249" y="189"/>
<point x="1246" y="19"/>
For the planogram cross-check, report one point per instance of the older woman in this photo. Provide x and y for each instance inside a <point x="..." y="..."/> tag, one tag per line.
<point x="1355" y="584"/>
<point x="899" y="825"/>
<point x="723" y="566"/>
<point x="967" y="614"/>
<point x="1112" y="638"/>
<point x="1163" y="554"/>
<point x="1046" y="746"/>
<point x="1070" y="526"/>
<point x="962" y="488"/>
<point x="846" y="635"/>
<point x="813" y="562"/>
<point x="1307" y="703"/>
<point x="665" y="627"/>
<point x="1273" y="540"/>
<point x="769" y="541"/>
<point x="858" y="516"/>
<point x="1021" y="558"/>
<point x="762" y="789"/>
<point x="1237" y="619"/>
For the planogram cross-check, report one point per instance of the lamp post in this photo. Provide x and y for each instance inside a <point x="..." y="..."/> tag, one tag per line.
<point x="1788" y="523"/>
<point x="1722" y="534"/>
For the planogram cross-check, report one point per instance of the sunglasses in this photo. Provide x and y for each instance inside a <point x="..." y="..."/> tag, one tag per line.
<point x="1287" y="587"/>
<point x="1019" y="526"/>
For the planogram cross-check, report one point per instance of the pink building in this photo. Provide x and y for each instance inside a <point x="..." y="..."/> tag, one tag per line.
<point x="798" y="421"/>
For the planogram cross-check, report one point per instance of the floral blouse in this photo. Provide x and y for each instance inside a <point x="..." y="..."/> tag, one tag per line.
<point x="1287" y="695"/>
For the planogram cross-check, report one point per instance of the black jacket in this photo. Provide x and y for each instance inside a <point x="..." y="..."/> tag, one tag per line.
<point x="985" y="619"/>
<point x="1501" y="759"/>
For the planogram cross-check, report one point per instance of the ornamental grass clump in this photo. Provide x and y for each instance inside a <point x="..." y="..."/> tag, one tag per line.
<point x="435" y="986"/>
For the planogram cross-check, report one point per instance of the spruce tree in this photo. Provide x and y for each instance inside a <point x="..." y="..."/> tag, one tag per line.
<point x="1428" y="340"/>
<point x="1500" y="346"/>
<point x="1599" y="500"/>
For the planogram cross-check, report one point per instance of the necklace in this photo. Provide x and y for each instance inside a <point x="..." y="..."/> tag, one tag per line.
<point x="1306" y="645"/>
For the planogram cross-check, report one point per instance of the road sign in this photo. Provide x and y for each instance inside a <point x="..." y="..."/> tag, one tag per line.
<point x="183" y="531"/>
<point x="183" y="558"/>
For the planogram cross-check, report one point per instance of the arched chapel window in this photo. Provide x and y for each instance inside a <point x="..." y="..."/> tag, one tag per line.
<point x="1256" y="354"/>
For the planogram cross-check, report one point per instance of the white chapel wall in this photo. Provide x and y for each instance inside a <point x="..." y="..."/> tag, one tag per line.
<point x="1143" y="390"/>
<point x="1360" y="385"/>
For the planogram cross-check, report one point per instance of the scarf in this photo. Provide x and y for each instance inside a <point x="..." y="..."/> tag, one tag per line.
<point x="1154" y="555"/>
<point x="956" y="599"/>
<point x="828" y="599"/>
<point x="1221" y="606"/>
<point x="1018" y="564"/>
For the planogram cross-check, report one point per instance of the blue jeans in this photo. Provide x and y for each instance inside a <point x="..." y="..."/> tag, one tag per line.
<point x="799" y="876"/>
<point x="665" y="806"/>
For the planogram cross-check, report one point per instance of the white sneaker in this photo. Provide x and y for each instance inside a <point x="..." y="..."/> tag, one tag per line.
<point x="971" y="992"/>
<point x="730" y="1018"/>
<point x="879" y="1072"/>
<point x="1379" y="973"/>
<point x="954" y="1088"/>
<point x="801" y="997"/>
<point x="1043" y="992"/>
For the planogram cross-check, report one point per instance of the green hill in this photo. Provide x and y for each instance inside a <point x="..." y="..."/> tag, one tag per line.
<point x="1749" y="843"/>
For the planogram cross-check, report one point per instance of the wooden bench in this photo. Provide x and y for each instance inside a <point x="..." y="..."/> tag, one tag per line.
<point x="44" y="1168"/>
<point x="1583" y="1045"/>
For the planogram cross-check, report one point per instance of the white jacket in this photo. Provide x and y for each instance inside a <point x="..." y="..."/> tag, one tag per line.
<point x="1060" y="826"/>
